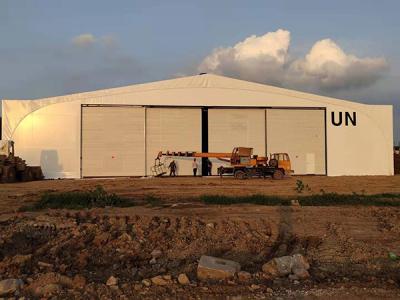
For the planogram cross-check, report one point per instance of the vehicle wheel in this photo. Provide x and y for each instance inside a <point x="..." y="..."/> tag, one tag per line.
<point x="273" y="163"/>
<point x="9" y="174"/>
<point x="240" y="174"/>
<point x="278" y="175"/>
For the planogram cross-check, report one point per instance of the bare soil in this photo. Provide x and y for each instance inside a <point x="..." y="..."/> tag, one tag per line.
<point x="347" y="247"/>
<point x="188" y="189"/>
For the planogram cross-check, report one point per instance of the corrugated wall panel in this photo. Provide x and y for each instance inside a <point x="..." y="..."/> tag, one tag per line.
<point x="173" y="129"/>
<point x="113" y="141"/>
<point x="300" y="133"/>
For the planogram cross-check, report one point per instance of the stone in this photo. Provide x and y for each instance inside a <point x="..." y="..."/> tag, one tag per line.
<point x="167" y="277"/>
<point x="112" y="281"/>
<point x="270" y="291"/>
<point x="45" y="265"/>
<point x="156" y="253"/>
<point x="10" y="286"/>
<point x="21" y="259"/>
<point x="213" y="268"/>
<point x="284" y="265"/>
<point x="183" y="279"/>
<point x="301" y="273"/>
<point x="299" y="262"/>
<point x="255" y="287"/>
<point x="244" y="276"/>
<point x="271" y="268"/>
<point x="158" y="280"/>
<point x="146" y="282"/>
<point x="48" y="290"/>
<point x="211" y="225"/>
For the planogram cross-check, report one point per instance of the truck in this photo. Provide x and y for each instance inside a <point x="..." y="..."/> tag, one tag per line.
<point x="242" y="163"/>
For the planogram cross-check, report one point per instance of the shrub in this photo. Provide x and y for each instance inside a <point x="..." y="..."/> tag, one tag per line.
<point x="97" y="197"/>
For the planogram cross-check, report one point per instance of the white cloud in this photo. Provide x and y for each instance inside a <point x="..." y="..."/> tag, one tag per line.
<point x="266" y="59"/>
<point x="87" y="40"/>
<point x="84" y="40"/>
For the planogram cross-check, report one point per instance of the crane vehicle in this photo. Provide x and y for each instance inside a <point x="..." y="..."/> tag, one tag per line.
<point x="14" y="168"/>
<point x="242" y="163"/>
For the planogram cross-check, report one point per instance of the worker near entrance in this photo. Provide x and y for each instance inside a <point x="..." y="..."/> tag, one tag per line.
<point x="209" y="167"/>
<point x="172" y="168"/>
<point x="194" y="166"/>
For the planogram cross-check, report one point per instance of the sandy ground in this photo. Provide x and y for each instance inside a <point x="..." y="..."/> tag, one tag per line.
<point x="347" y="247"/>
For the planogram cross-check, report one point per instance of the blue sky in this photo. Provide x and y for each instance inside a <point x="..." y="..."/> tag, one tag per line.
<point x="52" y="47"/>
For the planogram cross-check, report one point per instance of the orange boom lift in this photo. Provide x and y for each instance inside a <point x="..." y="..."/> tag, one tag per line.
<point x="243" y="164"/>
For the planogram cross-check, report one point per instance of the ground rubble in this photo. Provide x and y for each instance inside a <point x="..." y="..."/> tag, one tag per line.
<point x="89" y="255"/>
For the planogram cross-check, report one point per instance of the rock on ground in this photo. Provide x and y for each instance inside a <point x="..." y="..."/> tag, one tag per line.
<point x="183" y="279"/>
<point x="213" y="268"/>
<point x="282" y="266"/>
<point x="48" y="289"/>
<point x="159" y="280"/>
<point x="112" y="281"/>
<point x="10" y="286"/>
<point x="244" y="276"/>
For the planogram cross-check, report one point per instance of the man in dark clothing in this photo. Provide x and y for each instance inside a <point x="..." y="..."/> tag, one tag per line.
<point x="209" y="167"/>
<point x="172" y="168"/>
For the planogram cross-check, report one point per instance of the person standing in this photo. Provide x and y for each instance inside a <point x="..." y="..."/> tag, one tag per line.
<point x="194" y="166"/>
<point x="172" y="168"/>
<point x="209" y="167"/>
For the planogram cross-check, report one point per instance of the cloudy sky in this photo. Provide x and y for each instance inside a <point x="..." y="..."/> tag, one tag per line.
<point x="344" y="49"/>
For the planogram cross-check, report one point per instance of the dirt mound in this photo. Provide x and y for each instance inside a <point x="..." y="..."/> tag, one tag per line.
<point x="74" y="254"/>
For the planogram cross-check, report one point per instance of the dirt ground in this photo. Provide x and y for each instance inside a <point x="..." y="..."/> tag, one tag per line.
<point x="188" y="189"/>
<point x="75" y="252"/>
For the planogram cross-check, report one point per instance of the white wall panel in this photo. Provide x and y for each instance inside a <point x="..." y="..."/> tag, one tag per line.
<point x="173" y="129"/>
<point x="301" y="134"/>
<point x="50" y="137"/>
<point x="113" y="141"/>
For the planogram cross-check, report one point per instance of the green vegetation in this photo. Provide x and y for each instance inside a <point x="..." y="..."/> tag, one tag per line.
<point x="152" y="200"/>
<point x="334" y="199"/>
<point x="323" y="199"/>
<point x="97" y="197"/>
<point x="253" y="199"/>
<point x="300" y="186"/>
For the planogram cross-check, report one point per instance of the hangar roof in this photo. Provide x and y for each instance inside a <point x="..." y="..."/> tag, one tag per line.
<point x="198" y="90"/>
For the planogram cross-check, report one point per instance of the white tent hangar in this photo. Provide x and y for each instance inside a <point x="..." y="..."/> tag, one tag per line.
<point x="119" y="131"/>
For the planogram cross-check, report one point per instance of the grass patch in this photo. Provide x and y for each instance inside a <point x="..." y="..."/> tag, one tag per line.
<point x="97" y="197"/>
<point x="333" y="199"/>
<point x="323" y="199"/>
<point x="152" y="200"/>
<point x="253" y="199"/>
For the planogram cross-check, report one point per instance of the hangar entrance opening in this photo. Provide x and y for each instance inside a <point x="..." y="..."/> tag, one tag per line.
<point x="113" y="141"/>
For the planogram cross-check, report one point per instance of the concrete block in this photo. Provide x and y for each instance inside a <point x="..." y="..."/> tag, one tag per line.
<point x="213" y="268"/>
